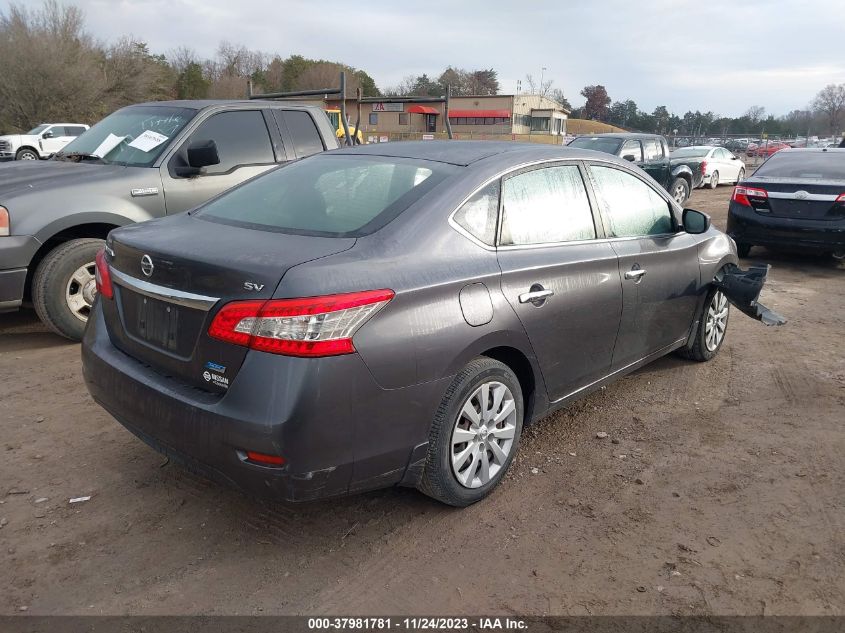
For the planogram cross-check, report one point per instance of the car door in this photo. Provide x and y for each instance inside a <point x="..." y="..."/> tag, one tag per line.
<point x="655" y="164"/>
<point x="731" y="165"/>
<point x="658" y="263"/>
<point x="245" y="150"/>
<point x="558" y="275"/>
<point x="53" y="139"/>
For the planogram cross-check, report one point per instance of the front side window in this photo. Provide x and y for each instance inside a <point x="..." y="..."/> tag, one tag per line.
<point x="651" y="149"/>
<point x="544" y="206"/>
<point x="478" y="214"/>
<point x="632" y="148"/>
<point x="328" y="195"/>
<point x="241" y="138"/>
<point x="134" y="136"/>
<point x="631" y="207"/>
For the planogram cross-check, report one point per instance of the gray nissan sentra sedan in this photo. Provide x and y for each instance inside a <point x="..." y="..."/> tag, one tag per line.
<point x="394" y="314"/>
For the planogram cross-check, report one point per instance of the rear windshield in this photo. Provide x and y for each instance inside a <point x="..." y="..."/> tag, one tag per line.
<point x="334" y="196"/>
<point x="597" y="143"/>
<point x="690" y="152"/>
<point x="815" y="165"/>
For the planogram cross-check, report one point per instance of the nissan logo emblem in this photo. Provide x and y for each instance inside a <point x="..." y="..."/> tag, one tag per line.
<point x="147" y="265"/>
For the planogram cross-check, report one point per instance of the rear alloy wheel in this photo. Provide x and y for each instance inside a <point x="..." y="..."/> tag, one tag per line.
<point x="26" y="154"/>
<point x="714" y="180"/>
<point x="475" y="434"/>
<point x="679" y="190"/>
<point x="741" y="176"/>
<point x="64" y="287"/>
<point x="711" y="330"/>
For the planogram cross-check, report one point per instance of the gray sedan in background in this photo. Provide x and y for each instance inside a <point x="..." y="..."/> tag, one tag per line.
<point x="394" y="314"/>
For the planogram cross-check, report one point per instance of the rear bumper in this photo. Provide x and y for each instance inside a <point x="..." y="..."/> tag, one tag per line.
<point x="748" y="227"/>
<point x="338" y="431"/>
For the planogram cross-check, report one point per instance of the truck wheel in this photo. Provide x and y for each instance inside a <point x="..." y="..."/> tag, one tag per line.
<point x="63" y="287"/>
<point x="26" y="154"/>
<point x="474" y="435"/>
<point x="679" y="190"/>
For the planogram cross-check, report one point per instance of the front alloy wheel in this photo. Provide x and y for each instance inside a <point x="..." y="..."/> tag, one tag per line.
<point x="26" y="154"/>
<point x="716" y="321"/>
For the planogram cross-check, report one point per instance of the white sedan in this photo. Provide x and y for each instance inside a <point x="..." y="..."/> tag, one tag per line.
<point x="710" y="165"/>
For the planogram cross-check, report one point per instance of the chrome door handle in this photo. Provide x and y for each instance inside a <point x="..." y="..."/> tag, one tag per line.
<point x="535" y="295"/>
<point x="635" y="274"/>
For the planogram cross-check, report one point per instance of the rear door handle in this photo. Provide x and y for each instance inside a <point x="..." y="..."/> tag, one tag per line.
<point x="635" y="274"/>
<point x="535" y="296"/>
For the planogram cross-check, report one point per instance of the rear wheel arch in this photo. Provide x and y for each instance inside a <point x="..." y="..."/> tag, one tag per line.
<point x="525" y="372"/>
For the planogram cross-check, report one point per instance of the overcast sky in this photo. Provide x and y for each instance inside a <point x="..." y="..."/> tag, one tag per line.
<point x="719" y="55"/>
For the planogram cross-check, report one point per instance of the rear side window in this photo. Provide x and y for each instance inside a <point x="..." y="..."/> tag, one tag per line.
<point x="241" y="137"/>
<point x="328" y="195"/>
<point x="814" y="165"/>
<point x="303" y="132"/>
<point x="544" y="206"/>
<point x="73" y="130"/>
<point x="478" y="215"/>
<point x="631" y="207"/>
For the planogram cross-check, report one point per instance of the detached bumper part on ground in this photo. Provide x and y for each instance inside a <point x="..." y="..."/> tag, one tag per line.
<point x="743" y="287"/>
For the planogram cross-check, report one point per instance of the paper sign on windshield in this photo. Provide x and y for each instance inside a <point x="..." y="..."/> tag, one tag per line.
<point x="108" y="145"/>
<point x="148" y="141"/>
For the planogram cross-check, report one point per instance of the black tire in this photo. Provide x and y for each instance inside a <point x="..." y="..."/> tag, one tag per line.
<point x="740" y="176"/>
<point x="50" y="285"/>
<point x="439" y="479"/>
<point x="699" y="350"/>
<point x="743" y="249"/>
<point x="714" y="180"/>
<point x="27" y="153"/>
<point x="679" y="189"/>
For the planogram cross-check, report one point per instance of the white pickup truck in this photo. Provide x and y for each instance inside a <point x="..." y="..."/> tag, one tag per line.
<point x="40" y="142"/>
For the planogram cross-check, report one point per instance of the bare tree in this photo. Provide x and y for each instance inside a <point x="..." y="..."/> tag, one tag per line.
<point x="541" y="88"/>
<point x="830" y="101"/>
<point x="755" y="114"/>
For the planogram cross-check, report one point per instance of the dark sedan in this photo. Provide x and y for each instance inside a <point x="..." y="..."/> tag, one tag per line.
<point x="795" y="200"/>
<point x="393" y="314"/>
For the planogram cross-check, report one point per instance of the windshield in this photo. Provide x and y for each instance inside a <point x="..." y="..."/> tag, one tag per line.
<point x="813" y="165"/>
<point x="335" y="196"/>
<point x="133" y="136"/>
<point x="690" y="152"/>
<point x="608" y="145"/>
<point x="37" y="130"/>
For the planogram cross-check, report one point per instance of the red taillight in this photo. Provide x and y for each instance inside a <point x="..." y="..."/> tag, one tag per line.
<point x="840" y="199"/>
<point x="741" y="195"/>
<point x="4" y="221"/>
<point x="103" y="276"/>
<point x="704" y="168"/>
<point x="265" y="460"/>
<point x="315" y="326"/>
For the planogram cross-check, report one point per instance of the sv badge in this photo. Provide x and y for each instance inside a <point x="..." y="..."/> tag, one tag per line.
<point x="251" y="285"/>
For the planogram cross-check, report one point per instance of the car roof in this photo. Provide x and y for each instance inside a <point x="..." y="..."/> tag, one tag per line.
<point x="814" y="150"/>
<point x="621" y="135"/>
<point x="464" y="153"/>
<point x="202" y="104"/>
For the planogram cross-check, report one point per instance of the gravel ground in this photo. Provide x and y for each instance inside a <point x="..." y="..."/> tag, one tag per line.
<point x="719" y="490"/>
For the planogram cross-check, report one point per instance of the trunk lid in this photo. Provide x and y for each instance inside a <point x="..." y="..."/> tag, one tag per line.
<point x="801" y="198"/>
<point x="170" y="278"/>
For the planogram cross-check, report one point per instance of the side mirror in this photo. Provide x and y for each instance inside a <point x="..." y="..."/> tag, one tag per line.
<point x="695" y="222"/>
<point x="200" y="154"/>
<point x="47" y="134"/>
<point x="630" y="157"/>
<point x="734" y="158"/>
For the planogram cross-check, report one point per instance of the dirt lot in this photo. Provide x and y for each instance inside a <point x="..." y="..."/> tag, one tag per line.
<point x="720" y="492"/>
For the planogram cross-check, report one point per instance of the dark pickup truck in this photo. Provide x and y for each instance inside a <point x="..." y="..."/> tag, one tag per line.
<point x="144" y="161"/>
<point x="649" y="152"/>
